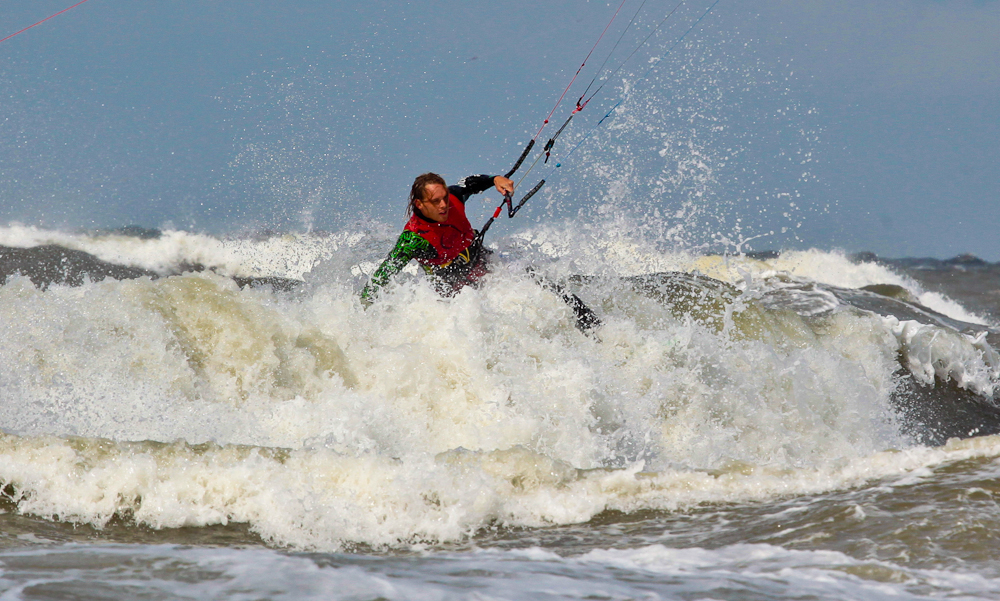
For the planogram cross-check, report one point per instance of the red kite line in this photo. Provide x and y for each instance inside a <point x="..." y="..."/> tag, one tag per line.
<point x="42" y="21"/>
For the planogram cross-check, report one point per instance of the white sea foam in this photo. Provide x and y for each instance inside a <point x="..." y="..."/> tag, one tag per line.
<point x="654" y="571"/>
<point x="617" y="251"/>
<point x="288" y="255"/>
<point x="836" y="269"/>
<point x="315" y="498"/>
<point x="620" y="251"/>
<point x="933" y="352"/>
<point x="426" y="419"/>
<point x="774" y="571"/>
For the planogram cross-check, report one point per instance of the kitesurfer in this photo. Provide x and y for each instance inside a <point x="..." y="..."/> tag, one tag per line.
<point x="439" y="236"/>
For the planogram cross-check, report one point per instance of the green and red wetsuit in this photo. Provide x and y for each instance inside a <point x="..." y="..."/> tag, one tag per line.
<point x="444" y="250"/>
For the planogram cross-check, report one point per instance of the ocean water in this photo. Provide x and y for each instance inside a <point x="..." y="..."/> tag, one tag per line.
<point x="776" y="426"/>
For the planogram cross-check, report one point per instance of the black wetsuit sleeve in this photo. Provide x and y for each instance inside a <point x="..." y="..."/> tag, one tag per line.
<point x="409" y="246"/>
<point x="473" y="184"/>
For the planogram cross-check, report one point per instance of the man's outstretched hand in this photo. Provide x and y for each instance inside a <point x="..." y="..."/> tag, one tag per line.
<point x="504" y="186"/>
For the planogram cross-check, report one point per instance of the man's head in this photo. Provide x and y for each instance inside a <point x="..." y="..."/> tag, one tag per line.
<point x="429" y="196"/>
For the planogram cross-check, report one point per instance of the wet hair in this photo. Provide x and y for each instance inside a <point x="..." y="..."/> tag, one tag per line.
<point x="419" y="186"/>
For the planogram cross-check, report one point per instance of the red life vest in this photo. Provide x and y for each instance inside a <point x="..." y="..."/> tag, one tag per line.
<point x="449" y="238"/>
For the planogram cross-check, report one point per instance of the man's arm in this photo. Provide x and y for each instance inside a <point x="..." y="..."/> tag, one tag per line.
<point x="473" y="184"/>
<point x="409" y="246"/>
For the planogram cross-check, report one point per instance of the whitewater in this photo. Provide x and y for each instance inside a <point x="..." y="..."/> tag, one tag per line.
<point x="738" y="427"/>
<point x="199" y="406"/>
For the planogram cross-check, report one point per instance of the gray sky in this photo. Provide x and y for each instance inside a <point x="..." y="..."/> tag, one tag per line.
<point x="878" y="121"/>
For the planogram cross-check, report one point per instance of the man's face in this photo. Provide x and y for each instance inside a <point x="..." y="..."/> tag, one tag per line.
<point x="434" y="205"/>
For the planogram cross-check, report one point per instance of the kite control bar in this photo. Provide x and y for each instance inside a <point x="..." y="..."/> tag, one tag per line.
<point x="511" y="209"/>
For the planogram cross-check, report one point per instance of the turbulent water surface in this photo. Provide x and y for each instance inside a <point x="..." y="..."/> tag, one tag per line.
<point x="186" y="416"/>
